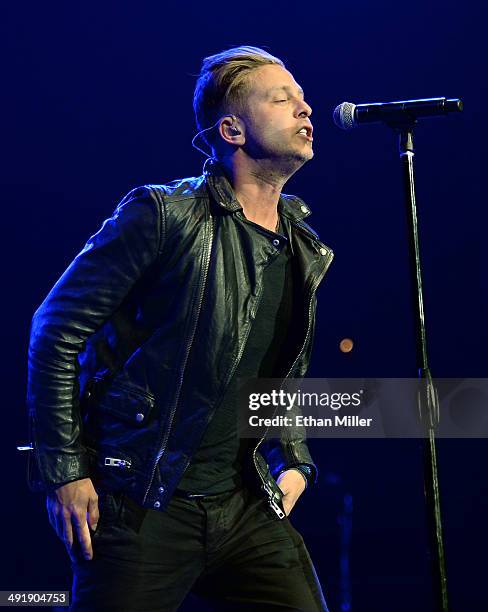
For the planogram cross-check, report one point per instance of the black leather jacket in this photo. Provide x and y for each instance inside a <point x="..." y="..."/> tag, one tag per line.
<point x="133" y="348"/>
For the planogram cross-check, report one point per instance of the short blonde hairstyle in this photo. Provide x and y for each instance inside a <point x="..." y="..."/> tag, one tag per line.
<point x="222" y="84"/>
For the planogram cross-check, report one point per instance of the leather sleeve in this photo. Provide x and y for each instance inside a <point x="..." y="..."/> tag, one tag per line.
<point x="85" y="296"/>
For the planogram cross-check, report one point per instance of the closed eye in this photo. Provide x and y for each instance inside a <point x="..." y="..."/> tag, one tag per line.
<point x="281" y="100"/>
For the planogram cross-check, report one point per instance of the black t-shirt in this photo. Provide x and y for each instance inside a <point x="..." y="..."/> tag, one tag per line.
<point x="217" y="464"/>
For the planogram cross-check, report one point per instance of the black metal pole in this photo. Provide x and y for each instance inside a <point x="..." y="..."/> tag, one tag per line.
<point x="428" y="401"/>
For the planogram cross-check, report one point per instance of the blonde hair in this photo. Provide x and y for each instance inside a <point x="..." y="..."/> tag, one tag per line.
<point x="222" y="84"/>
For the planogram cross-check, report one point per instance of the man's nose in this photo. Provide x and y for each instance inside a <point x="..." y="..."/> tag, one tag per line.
<point x="305" y="110"/>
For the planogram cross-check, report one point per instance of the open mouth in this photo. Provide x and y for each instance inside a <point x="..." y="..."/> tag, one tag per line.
<point x="307" y="132"/>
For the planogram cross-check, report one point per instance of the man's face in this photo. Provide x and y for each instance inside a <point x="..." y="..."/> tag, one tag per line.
<point x="276" y="117"/>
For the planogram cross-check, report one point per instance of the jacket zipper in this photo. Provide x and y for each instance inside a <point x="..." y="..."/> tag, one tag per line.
<point x="311" y="294"/>
<point x="115" y="462"/>
<point x="239" y="354"/>
<point x="180" y="381"/>
<point x="128" y="389"/>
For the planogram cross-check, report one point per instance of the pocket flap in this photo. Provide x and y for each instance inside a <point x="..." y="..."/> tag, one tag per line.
<point x="127" y="404"/>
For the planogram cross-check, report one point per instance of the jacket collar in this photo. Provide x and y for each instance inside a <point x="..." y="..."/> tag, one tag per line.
<point x="288" y="205"/>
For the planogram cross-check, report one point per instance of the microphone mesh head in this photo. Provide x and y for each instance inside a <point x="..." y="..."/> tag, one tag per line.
<point x="344" y="115"/>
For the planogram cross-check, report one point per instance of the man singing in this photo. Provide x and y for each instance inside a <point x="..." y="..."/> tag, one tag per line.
<point x="135" y="357"/>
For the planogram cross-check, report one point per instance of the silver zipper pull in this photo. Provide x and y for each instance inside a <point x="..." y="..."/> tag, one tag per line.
<point x="278" y="511"/>
<point x="267" y="489"/>
<point x="114" y="462"/>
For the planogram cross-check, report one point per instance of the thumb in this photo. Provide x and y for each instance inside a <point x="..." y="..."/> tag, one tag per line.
<point x="93" y="513"/>
<point x="283" y="485"/>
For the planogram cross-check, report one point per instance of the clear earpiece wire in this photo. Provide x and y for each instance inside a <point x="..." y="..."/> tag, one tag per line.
<point x="198" y="134"/>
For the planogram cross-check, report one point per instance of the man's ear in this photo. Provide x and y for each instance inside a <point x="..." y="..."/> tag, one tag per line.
<point x="231" y="130"/>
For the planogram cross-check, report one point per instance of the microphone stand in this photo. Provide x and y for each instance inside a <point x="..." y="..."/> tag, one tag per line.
<point x="428" y="402"/>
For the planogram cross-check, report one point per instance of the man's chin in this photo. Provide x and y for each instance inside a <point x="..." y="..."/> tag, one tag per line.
<point x="303" y="156"/>
<point x="290" y="161"/>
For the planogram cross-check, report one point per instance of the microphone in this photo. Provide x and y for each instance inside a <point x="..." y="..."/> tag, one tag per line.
<point x="348" y="115"/>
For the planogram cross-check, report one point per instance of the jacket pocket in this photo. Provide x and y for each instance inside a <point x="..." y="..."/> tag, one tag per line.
<point x="128" y="404"/>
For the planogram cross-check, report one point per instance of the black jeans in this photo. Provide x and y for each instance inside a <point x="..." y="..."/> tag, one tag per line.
<point x="229" y="549"/>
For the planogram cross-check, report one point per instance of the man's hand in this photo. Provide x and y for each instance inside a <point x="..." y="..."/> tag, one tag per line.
<point x="71" y="509"/>
<point x="292" y="483"/>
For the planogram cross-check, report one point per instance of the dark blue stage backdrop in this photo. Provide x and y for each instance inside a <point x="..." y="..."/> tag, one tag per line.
<point x="97" y="99"/>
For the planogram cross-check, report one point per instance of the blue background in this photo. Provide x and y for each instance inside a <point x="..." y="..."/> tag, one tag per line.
<point x="97" y="98"/>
